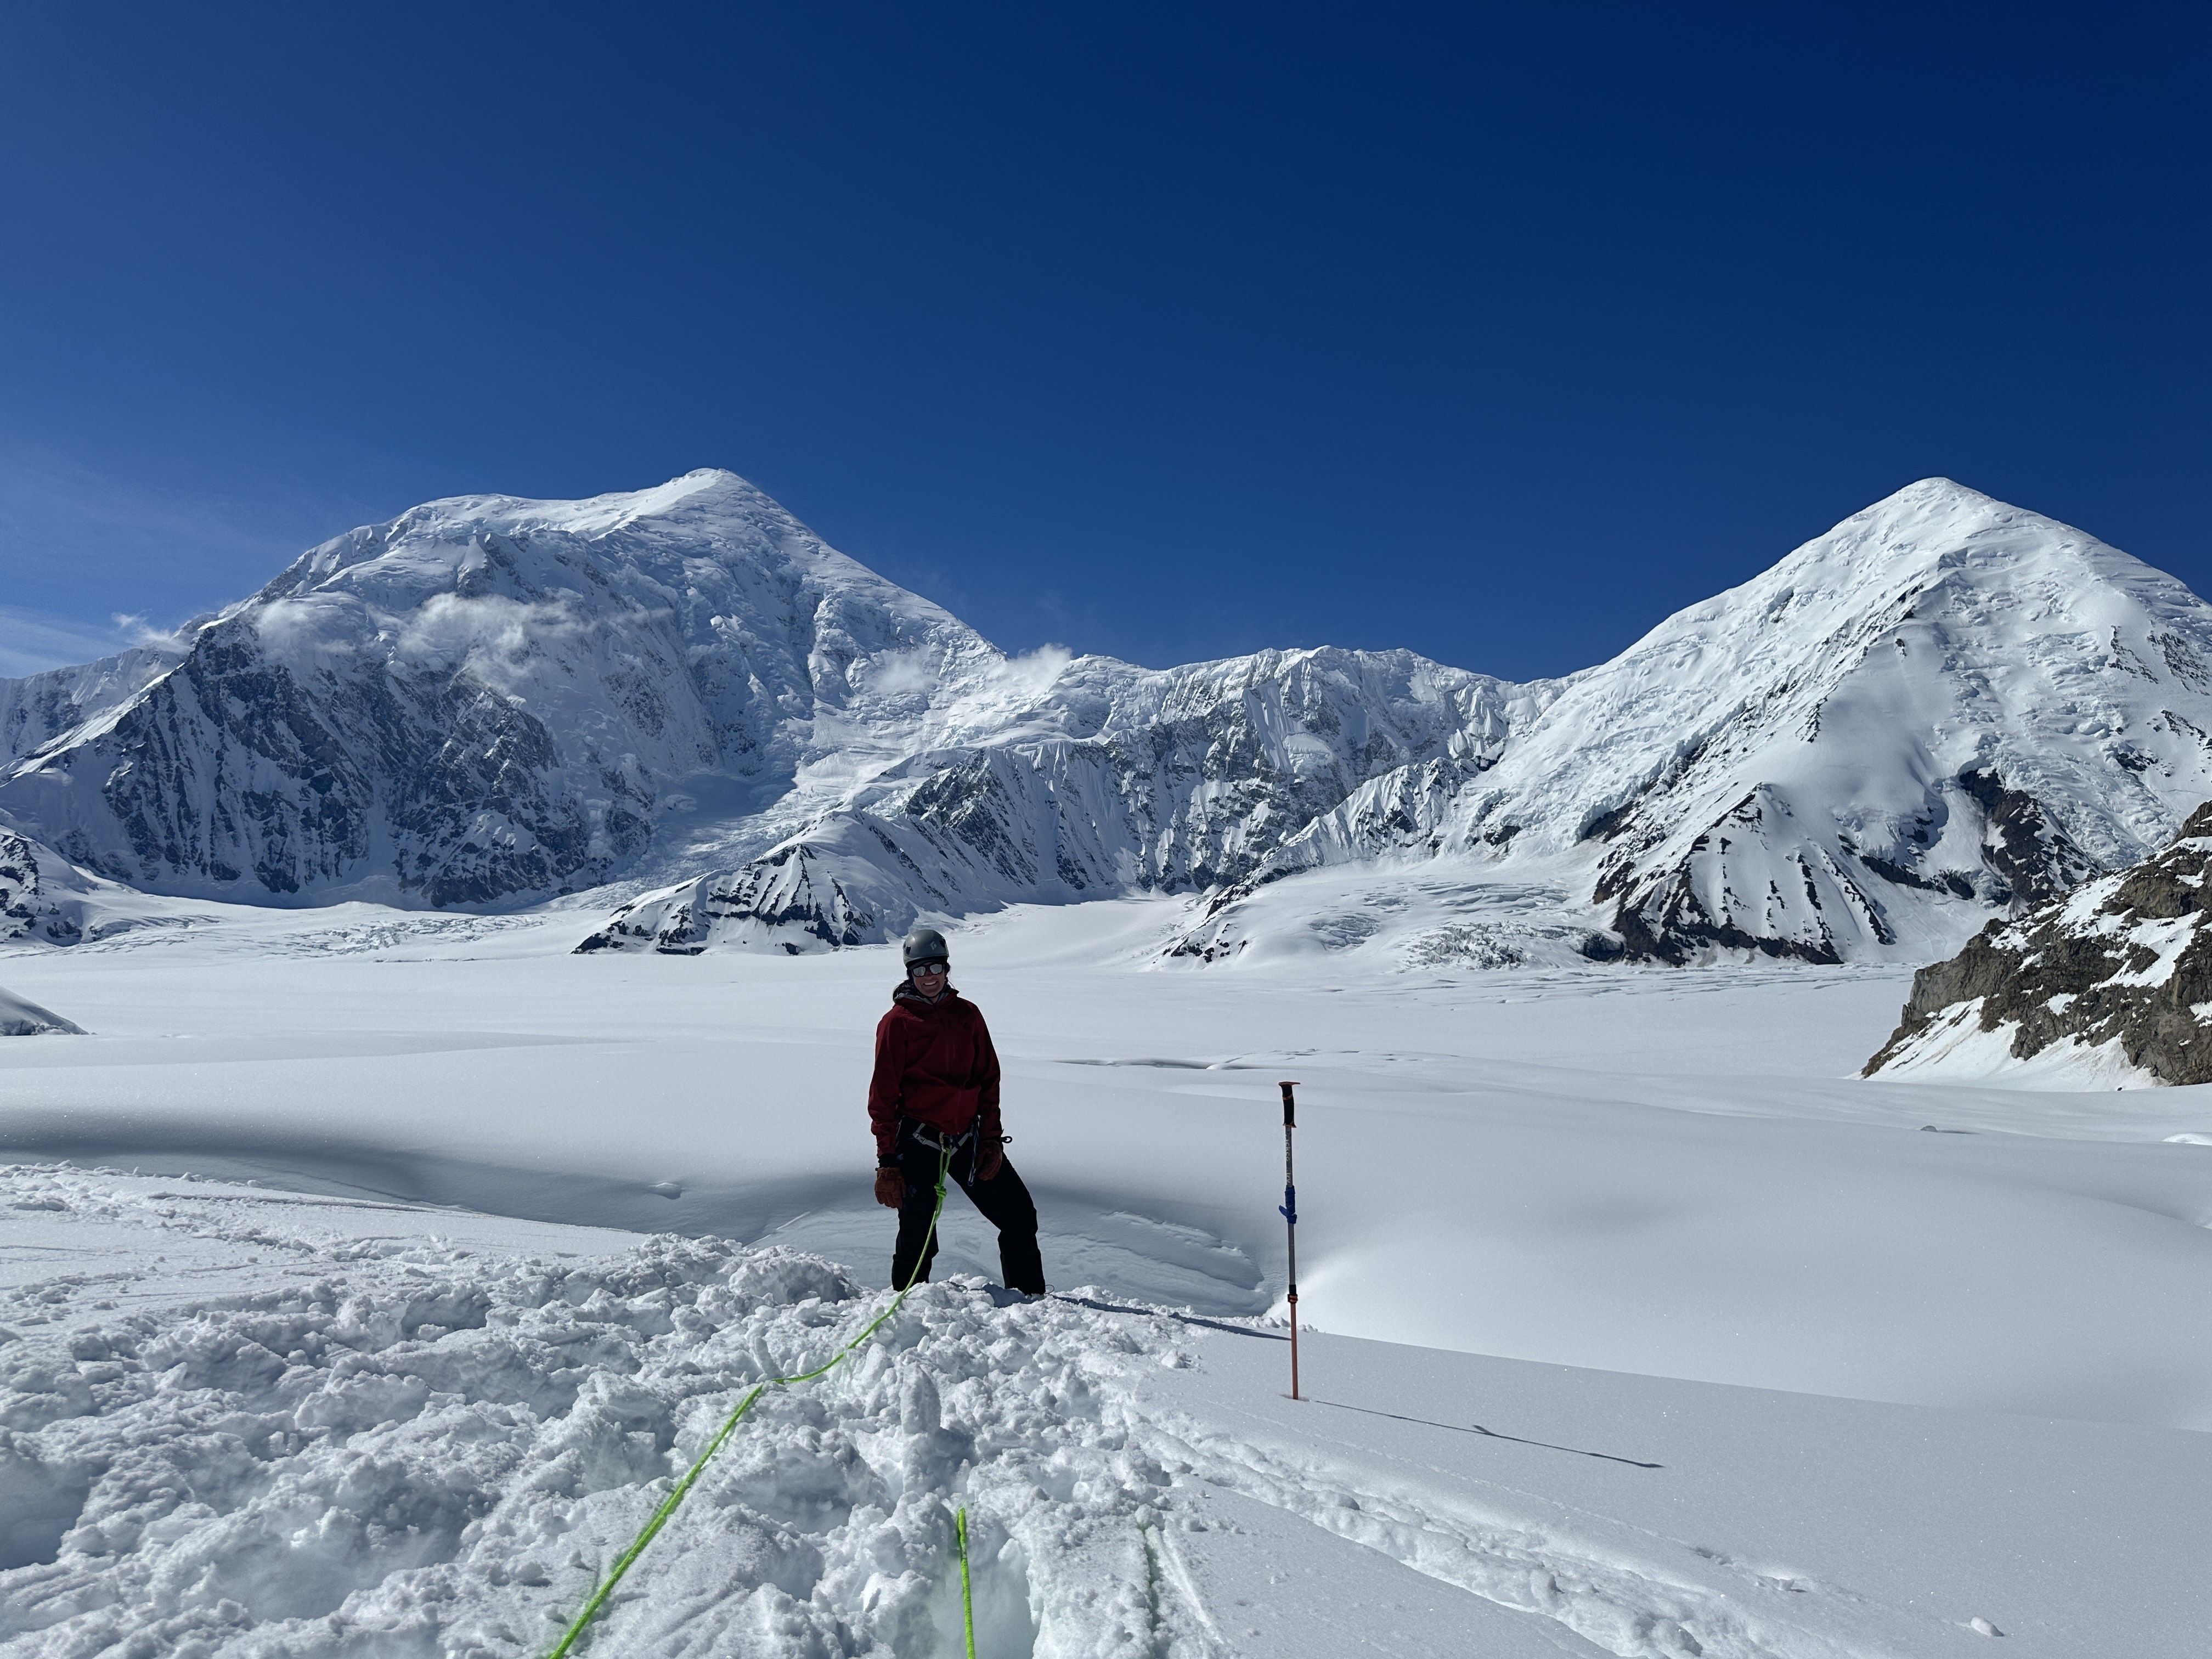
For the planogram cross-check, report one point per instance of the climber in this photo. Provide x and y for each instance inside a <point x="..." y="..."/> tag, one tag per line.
<point x="936" y="1092"/>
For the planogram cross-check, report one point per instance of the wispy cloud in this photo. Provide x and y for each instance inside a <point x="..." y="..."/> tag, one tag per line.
<point x="46" y="497"/>
<point x="95" y="561"/>
<point x="31" y="643"/>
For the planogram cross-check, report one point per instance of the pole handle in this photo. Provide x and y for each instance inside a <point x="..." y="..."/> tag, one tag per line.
<point x="1290" y="1106"/>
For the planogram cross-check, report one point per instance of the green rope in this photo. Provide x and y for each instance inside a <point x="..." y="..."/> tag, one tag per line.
<point x="683" y="1488"/>
<point x="967" y="1597"/>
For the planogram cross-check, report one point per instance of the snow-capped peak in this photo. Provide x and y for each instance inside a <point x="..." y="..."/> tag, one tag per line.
<point x="1944" y="706"/>
<point x="489" y="699"/>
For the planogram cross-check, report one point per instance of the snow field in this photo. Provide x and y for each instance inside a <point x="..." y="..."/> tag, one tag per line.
<point x="1670" y="1172"/>
<point x="331" y="1416"/>
<point x="415" y="1432"/>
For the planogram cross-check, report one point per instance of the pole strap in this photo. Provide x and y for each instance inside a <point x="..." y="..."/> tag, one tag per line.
<point x="1288" y="1209"/>
<point x="682" y="1489"/>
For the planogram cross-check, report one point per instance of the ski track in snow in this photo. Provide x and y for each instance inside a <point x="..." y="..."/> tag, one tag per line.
<point x="387" y="1439"/>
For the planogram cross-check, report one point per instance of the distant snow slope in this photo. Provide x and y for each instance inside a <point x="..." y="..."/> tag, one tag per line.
<point x="19" y="1016"/>
<point x="1942" y="709"/>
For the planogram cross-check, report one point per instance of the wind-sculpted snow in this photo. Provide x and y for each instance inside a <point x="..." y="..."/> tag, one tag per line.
<point x="21" y="1017"/>
<point x="2115" y="979"/>
<point x="1944" y="707"/>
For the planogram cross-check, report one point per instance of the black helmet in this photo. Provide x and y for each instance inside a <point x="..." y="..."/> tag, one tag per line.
<point x="925" y="944"/>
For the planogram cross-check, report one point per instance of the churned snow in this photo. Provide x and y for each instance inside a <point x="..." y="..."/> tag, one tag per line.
<point x="257" y="1423"/>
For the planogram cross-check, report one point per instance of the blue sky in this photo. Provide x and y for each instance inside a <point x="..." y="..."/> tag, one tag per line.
<point x="1166" y="332"/>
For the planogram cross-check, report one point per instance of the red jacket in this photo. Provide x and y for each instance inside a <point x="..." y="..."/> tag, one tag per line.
<point x="934" y="1063"/>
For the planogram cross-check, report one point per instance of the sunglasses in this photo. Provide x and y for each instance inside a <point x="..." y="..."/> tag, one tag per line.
<point x="929" y="969"/>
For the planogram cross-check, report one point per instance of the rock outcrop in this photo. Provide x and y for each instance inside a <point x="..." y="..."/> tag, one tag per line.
<point x="45" y="901"/>
<point x="2121" y="968"/>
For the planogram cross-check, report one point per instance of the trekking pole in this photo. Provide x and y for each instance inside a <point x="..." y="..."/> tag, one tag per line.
<point x="1289" y="1211"/>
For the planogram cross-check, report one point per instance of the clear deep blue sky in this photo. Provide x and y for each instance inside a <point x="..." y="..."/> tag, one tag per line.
<point x="1165" y="331"/>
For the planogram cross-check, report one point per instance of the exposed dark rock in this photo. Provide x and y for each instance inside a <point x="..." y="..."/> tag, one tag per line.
<point x="28" y="908"/>
<point x="788" y="895"/>
<point x="2035" y="855"/>
<point x="2126" y="959"/>
<point x="1693" y="906"/>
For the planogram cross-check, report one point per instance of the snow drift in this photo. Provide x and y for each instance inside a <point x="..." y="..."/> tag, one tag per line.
<point x="19" y="1016"/>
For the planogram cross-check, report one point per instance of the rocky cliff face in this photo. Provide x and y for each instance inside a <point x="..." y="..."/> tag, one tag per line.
<point x="2120" y="970"/>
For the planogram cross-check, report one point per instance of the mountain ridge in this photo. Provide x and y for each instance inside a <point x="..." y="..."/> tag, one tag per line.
<point x="1943" y="708"/>
<point x="1936" y="719"/>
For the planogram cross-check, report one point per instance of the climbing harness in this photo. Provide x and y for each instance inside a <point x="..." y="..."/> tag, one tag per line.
<point x="683" y="1488"/>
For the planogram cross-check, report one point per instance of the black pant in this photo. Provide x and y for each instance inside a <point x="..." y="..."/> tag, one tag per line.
<point x="1005" y="1202"/>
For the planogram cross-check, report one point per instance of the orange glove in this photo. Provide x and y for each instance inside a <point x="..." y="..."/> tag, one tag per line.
<point x="891" y="1189"/>
<point x="990" y="1158"/>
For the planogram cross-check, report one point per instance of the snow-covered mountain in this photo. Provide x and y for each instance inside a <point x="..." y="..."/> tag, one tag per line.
<point x="1109" y="780"/>
<point x="40" y="709"/>
<point x="1944" y="709"/>
<point x="2108" y="981"/>
<point x="487" y="701"/>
